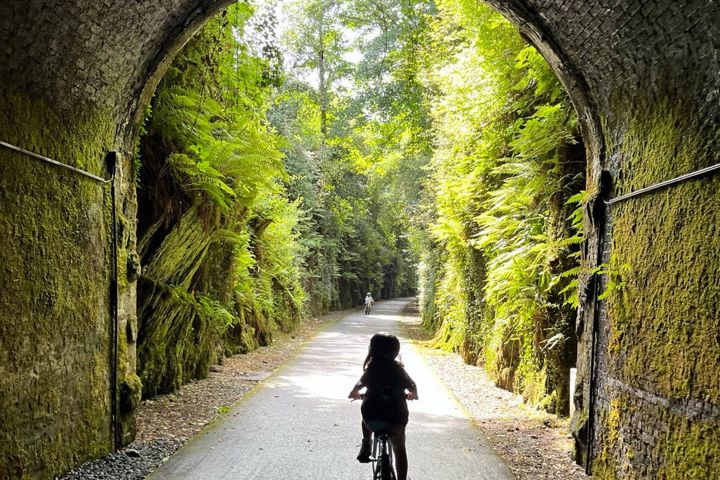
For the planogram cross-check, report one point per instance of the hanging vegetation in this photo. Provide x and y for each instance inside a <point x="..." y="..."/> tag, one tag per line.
<point x="217" y="232"/>
<point x="506" y="178"/>
<point x="394" y="146"/>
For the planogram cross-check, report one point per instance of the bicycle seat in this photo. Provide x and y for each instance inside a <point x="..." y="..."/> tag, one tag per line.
<point x="380" y="428"/>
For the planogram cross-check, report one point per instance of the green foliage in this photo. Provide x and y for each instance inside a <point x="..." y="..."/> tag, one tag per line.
<point x="218" y="234"/>
<point x="348" y="152"/>
<point x="400" y="131"/>
<point x="181" y="332"/>
<point x="505" y="173"/>
<point x="445" y="138"/>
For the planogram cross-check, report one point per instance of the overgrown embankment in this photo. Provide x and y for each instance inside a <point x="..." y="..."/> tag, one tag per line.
<point x="533" y="443"/>
<point x="506" y="178"/>
<point x="263" y="197"/>
<point x="220" y="266"/>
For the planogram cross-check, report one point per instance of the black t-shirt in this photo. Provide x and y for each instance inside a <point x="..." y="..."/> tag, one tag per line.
<point x="386" y="382"/>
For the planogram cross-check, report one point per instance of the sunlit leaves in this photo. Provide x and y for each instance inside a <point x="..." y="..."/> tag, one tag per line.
<point x="221" y="164"/>
<point x="501" y="178"/>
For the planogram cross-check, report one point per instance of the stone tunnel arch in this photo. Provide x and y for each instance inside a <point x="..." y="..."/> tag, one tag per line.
<point x="643" y="78"/>
<point x="643" y="75"/>
<point x="76" y="77"/>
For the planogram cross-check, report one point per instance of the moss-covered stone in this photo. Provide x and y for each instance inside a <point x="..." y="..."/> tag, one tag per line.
<point x="610" y="421"/>
<point x="130" y="394"/>
<point x="179" y="339"/>
<point x="55" y="337"/>
<point x="691" y="449"/>
<point x="665" y="319"/>
<point x="660" y="346"/>
<point x="641" y="440"/>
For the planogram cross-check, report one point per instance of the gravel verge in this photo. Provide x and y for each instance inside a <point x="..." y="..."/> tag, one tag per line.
<point x="165" y="422"/>
<point x="133" y="462"/>
<point x="535" y="445"/>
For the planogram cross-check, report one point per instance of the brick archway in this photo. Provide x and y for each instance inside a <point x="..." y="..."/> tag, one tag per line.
<point x="645" y="79"/>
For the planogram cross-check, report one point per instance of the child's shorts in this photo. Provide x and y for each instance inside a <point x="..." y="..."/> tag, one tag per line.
<point x="392" y="413"/>
<point x="377" y="426"/>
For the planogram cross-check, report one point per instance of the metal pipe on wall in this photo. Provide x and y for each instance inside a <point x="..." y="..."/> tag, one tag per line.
<point x="112" y="160"/>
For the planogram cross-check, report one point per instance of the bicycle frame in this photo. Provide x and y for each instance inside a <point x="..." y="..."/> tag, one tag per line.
<point x="382" y="457"/>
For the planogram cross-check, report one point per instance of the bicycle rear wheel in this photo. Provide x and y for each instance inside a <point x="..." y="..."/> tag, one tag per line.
<point x="386" y="472"/>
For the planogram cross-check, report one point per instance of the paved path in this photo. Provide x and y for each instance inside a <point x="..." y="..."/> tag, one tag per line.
<point x="299" y="424"/>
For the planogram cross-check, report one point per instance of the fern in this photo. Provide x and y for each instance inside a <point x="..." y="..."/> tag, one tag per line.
<point x="211" y="275"/>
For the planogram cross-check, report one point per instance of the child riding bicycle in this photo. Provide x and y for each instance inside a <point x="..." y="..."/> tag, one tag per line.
<point x="384" y="406"/>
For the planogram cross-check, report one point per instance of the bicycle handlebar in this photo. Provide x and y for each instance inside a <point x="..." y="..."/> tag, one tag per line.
<point x="407" y="397"/>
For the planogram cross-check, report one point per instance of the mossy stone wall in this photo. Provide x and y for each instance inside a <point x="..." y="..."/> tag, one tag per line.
<point x="658" y="376"/>
<point x="76" y="77"/>
<point x="55" y="348"/>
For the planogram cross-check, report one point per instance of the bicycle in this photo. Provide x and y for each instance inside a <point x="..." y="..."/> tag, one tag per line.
<point x="383" y="465"/>
<point x="382" y="457"/>
<point x="368" y="308"/>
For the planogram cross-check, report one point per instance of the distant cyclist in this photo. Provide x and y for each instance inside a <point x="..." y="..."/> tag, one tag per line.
<point x="384" y="404"/>
<point x="368" y="302"/>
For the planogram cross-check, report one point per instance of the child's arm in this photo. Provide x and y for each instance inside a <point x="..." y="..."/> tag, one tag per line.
<point x="411" y="387"/>
<point x="355" y="392"/>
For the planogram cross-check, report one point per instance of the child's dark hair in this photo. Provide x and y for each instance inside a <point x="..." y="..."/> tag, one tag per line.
<point x="383" y="346"/>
